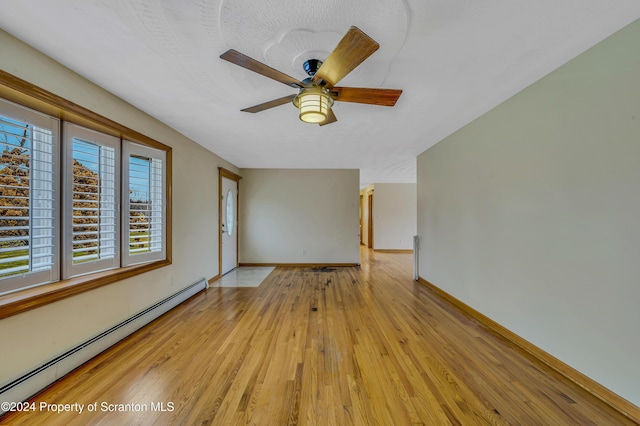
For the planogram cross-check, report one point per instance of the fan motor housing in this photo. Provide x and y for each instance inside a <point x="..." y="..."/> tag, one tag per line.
<point x="312" y="66"/>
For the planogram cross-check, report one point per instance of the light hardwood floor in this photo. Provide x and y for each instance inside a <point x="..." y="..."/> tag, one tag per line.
<point x="365" y="346"/>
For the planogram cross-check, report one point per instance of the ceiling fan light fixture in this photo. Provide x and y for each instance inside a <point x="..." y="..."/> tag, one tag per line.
<point x="317" y="93"/>
<point x="314" y="104"/>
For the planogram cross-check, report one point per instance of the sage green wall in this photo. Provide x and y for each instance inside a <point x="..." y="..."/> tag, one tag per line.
<point x="531" y="213"/>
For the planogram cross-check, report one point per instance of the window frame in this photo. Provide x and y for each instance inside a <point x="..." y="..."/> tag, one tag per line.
<point x="38" y="278"/>
<point x="26" y="94"/>
<point x="72" y="131"/>
<point x="130" y="149"/>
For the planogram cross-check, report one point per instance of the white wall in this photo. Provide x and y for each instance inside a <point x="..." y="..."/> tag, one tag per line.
<point x="35" y="336"/>
<point x="285" y="211"/>
<point x="531" y="213"/>
<point x="394" y="216"/>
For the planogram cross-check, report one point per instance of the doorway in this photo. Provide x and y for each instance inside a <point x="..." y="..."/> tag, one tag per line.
<point x="361" y="214"/>
<point x="228" y="221"/>
<point x="370" y="221"/>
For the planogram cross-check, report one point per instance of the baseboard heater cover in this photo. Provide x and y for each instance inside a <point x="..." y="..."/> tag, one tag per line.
<point x="27" y="385"/>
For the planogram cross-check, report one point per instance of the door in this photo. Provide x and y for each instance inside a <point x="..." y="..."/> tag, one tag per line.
<point x="228" y="224"/>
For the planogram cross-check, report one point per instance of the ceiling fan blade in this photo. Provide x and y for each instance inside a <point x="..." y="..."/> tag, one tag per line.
<point x="350" y="52"/>
<point x="331" y="118"/>
<point x="251" y="64"/>
<point x="361" y="95"/>
<point x="270" y="104"/>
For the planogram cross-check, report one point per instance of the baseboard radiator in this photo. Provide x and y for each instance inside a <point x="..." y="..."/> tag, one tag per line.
<point x="37" y="379"/>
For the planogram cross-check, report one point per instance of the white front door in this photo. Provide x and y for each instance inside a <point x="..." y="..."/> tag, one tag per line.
<point x="229" y="229"/>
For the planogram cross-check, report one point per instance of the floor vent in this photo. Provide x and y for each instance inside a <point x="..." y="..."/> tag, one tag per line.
<point x="37" y="379"/>
<point x="323" y="269"/>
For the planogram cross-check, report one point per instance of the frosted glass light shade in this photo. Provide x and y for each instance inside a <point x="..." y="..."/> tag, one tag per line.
<point x="314" y="104"/>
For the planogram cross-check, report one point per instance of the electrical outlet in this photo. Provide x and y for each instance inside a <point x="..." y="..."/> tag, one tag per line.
<point x="304" y="251"/>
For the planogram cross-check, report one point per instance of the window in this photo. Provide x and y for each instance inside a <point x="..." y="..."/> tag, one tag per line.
<point x="230" y="213"/>
<point x="144" y="213"/>
<point x="91" y="189"/>
<point x="28" y="188"/>
<point x="67" y="217"/>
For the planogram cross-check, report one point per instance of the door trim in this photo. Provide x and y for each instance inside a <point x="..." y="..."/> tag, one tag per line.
<point x="222" y="172"/>
<point x="361" y="214"/>
<point x="370" y="222"/>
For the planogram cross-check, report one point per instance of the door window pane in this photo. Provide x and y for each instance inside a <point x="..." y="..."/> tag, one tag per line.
<point x="230" y="212"/>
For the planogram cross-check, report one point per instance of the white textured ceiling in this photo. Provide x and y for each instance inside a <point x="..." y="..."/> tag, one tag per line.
<point x="454" y="60"/>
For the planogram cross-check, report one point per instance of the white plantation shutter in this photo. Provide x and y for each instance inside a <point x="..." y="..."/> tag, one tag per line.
<point x="144" y="214"/>
<point x="91" y="201"/>
<point x="42" y="198"/>
<point x="28" y="194"/>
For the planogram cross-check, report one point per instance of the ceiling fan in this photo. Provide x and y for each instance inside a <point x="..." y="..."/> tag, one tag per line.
<point x="317" y="93"/>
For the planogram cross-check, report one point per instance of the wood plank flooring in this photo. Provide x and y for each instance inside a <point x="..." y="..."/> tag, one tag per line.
<point x="361" y="346"/>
